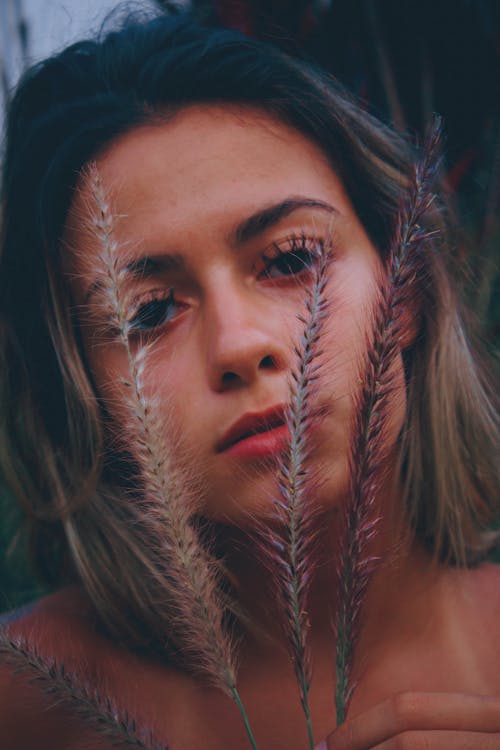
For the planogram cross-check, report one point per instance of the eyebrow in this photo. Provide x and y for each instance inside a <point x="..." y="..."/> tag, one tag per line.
<point x="246" y="230"/>
<point x="268" y="216"/>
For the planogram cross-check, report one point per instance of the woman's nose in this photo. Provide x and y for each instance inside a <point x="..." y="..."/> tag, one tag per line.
<point x="246" y="338"/>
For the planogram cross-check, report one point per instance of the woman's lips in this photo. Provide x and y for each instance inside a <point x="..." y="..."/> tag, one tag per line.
<point x="264" y="434"/>
<point x="261" y="445"/>
<point x="252" y="423"/>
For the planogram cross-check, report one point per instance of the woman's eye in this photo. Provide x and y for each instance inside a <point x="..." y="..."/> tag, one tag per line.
<point x="153" y="313"/>
<point x="300" y="256"/>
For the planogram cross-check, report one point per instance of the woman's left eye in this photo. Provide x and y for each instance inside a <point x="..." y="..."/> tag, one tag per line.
<point x="300" y="255"/>
<point x="153" y="313"/>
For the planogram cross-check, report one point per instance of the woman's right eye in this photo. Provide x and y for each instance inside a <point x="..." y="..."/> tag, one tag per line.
<point x="153" y="313"/>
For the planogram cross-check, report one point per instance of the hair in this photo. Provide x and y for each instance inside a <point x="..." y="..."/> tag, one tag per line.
<point x="68" y="109"/>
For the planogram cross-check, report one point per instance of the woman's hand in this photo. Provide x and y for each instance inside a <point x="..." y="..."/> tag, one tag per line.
<point x="423" y="721"/>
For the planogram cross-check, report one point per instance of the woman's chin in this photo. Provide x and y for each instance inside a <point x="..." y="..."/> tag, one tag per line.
<point x="256" y="503"/>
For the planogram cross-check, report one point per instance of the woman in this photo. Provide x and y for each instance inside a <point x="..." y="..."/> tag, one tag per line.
<point x="168" y="191"/>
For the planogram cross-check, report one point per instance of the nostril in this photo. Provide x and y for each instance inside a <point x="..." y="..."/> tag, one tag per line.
<point x="268" y="362"/>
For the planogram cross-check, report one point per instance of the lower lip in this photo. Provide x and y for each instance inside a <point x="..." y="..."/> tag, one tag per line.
<point x="263" y="444"/>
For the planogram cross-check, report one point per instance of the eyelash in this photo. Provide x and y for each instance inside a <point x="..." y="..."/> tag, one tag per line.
<point x="152" y="310"/>
<point x="299" y="247"/>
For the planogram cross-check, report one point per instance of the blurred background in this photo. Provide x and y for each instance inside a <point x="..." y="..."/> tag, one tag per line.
<point x="405" y="60"/>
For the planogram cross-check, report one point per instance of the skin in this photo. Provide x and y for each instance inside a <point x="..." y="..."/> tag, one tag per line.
<point x="429" y="676"/>
<point x="235" y="322"/>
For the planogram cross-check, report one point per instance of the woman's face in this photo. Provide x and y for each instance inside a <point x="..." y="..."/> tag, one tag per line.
<point x="206" y="205"/>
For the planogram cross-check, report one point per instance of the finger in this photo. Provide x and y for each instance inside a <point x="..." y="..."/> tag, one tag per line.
<point x="439" y="740"/>
<point x="417" y="711"/>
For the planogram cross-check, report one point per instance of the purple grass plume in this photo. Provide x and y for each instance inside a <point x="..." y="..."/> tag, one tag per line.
<point x="289" y="550"/>
<point x="85" y="702"/>
<point x="360" y="521"/>
<point x="196" y="606"/>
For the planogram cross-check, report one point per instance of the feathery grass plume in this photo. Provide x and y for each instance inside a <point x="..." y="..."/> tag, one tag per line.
<point x="288" y="550"/>
<point x="192" y="580"/>
<point x="86" y="702"/>
<point x="355" y="565"/>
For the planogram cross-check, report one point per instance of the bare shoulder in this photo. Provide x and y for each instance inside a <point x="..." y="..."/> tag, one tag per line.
<point x="57" y="628"/>
<point x="29" y="708"/>
<point x="65" y="606"/>
<point x="61" y="631"/>
<point x="479" y="591"/>
<point x="485" y="589"/>
<point x="481" y="616"/>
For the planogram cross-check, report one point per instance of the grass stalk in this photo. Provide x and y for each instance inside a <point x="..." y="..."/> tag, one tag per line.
<point x="194" y="585"/>
<point x="360" y="522"/>
<point x="289" y="550"/>
<point x="96" y="710"/>
<point x="248" y="729"/>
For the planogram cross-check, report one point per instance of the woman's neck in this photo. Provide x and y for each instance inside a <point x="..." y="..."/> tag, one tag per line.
<point x="396" y="603"/>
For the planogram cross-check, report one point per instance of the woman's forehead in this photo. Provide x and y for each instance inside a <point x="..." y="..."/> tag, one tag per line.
<point x="210" y="165"/>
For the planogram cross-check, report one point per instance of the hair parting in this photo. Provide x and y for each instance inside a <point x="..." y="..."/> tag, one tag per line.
<point x="399" y="288"/>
